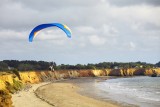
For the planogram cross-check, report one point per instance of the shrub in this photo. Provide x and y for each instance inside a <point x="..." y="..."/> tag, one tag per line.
<point x="15" y="71"/>
<point x="9" y="87"/>
<point x="17" y="85"/>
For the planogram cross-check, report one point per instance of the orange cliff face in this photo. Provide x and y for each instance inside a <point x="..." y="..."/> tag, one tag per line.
<point x="42" y="76"/>
<point x="5" y="99"/>
<point x="6" y="78"/>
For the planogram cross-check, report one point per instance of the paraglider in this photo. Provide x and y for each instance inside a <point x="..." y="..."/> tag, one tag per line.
<point x="43" y="26"/>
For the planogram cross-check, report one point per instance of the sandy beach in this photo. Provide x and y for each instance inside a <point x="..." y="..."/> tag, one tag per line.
<point x="58" y="94"/>
<point x="65" y="95"/>
<point x="28" y="98"/>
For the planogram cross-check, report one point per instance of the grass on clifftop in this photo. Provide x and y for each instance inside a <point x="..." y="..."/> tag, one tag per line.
<point x="16" y="86"/>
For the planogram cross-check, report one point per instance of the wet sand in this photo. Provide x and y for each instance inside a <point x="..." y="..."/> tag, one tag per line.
<point x="70" y="93"/>
<point x="66" y="94"/>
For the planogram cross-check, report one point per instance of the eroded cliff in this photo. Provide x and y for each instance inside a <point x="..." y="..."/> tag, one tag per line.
<point x="10" y="83"/>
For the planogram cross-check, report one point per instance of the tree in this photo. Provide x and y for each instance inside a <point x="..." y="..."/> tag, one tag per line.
<point x="157" y="64"/>
<point x="3" y="66"/>
<point x="12" y="63"/>
<point x="25" y="67"/>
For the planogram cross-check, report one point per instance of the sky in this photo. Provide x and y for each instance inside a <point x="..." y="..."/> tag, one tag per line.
<point x="102" y="30"/>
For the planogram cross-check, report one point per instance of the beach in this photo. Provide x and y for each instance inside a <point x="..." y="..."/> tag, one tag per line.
<point x="92" y="92"/>
<point x="27" y="98"/>
<point x="58" y="94"/>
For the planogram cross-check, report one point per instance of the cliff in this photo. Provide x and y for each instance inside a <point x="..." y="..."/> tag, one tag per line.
<point x="10" y="83"/>
<point x="41" y="76"/>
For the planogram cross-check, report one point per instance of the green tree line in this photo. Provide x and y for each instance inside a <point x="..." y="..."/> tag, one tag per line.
<point x="28" y="65"/>
<point x="24" y="65"/>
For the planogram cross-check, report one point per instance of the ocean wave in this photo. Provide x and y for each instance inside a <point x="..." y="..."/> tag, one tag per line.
<point x="139" y="89"/>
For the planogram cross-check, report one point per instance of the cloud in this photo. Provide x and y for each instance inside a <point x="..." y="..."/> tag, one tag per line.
<point x="86" y="29"/>
<point x="132" y="46"/>
<point x="109" y="30"/>
<point x="12" y="35"/>
<point x="96" y="40"/>
<point x="133" y="2"/>
<point x="99" y="28"/>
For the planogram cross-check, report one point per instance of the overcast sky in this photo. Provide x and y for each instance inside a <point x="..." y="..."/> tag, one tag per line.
<point x="102" y="30"/>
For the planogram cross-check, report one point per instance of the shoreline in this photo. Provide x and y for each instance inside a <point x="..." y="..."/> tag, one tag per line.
<point x="28" y="98"/>
<point x="69" y="98"/>
<point x="70" y="88"/>
<point x="96" y="92"/>
<point x="141" y="91"/>
<point x="59" y="94"/>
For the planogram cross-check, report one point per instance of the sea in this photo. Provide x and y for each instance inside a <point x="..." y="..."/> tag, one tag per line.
<point x="143" y="91"/>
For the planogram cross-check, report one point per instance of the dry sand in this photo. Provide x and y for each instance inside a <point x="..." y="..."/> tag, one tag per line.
<point x="56" y="94"/>
<point x="28" y="98"/>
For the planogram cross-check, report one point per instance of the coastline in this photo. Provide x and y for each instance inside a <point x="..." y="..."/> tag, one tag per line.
<point x="65" y="95"/>
<point x="62" y="94"/>
<point x="142" y="91"/>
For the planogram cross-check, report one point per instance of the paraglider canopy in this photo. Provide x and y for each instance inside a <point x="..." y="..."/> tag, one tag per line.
<point x="43" y="26"/>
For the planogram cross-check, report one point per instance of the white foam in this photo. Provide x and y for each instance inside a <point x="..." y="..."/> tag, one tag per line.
<point x="139" y="91"/>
